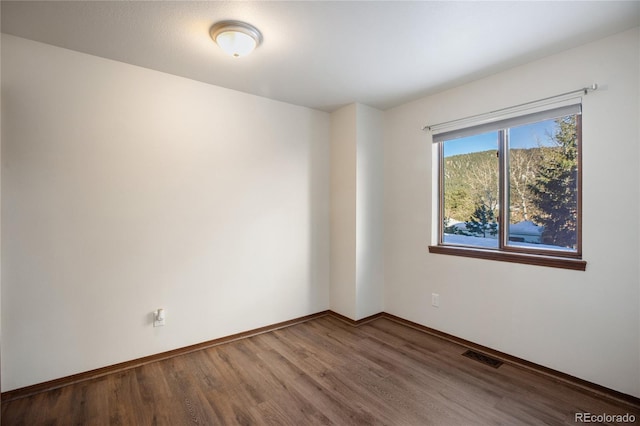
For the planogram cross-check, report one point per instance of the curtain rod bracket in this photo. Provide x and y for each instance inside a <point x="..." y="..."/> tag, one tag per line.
<point x="591" y="88"/>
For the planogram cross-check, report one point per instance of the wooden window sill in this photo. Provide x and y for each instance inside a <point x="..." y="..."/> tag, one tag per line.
<point x="502" y="256"/>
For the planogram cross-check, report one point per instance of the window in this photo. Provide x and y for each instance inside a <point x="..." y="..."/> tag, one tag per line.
<point x="509" y="189"/>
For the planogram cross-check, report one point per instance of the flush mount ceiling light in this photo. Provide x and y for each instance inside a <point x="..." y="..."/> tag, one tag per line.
<point x="235" y="37"/>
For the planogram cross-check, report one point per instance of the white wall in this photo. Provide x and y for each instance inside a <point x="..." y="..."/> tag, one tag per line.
<point x="357" y="248"/>
<point x="0" y="201"/>
<point x="369" y="212"/>
<point x="126" y="189"/>
<point x="586" y="324"/>
<point x="343" y="210"/>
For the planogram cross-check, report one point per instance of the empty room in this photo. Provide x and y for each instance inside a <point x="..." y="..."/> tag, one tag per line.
<point x="367" y="212"/>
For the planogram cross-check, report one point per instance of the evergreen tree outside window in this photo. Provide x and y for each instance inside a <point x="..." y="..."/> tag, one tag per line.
<point x="513" y="185"/>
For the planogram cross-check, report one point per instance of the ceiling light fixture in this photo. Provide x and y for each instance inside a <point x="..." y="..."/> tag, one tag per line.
<point x="235" y="37"/>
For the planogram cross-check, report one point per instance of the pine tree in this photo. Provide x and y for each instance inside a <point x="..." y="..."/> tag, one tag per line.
<point x="554" y="188"/>
<point x="482" y="221"/>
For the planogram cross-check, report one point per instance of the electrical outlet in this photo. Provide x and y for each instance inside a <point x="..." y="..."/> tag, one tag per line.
<point x="435" y="300"/>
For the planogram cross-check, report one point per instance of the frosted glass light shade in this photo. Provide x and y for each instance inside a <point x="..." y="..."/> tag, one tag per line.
<point x="236" y="43"/>
<point x="236" y="38"/>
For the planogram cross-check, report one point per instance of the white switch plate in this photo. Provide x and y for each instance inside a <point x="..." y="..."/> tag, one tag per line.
<point x="435" y="300"/>
<point x="157" y="320"/>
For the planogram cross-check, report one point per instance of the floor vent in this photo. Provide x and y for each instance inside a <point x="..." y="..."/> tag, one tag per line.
<point x="485" y="359"/>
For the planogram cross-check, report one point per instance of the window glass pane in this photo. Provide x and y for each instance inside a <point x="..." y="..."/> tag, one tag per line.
<point x="471" y="191"/>
<point x="543" y="185"/>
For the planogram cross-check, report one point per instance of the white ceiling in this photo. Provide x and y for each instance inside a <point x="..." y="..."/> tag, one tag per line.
<point x="325" y="54"/>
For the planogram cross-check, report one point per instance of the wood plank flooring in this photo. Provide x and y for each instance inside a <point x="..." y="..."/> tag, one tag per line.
<point x="319" y="372"/>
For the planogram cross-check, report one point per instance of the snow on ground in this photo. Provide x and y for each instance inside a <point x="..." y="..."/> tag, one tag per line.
<point x="465" y="240"/>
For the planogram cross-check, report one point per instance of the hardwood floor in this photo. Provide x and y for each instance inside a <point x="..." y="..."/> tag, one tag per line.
<point x="319" y="372"/>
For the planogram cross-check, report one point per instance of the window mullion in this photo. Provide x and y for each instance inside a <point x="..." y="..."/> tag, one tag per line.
<point x="503" y="193"/>
<point x="440" y="193"/>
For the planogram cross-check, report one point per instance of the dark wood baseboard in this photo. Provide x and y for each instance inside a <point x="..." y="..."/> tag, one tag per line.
<point x="127" y="365"/>
<point x="598" y="390"/>
<point x="356" y="323"/>
<point x="593" y="388"/>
